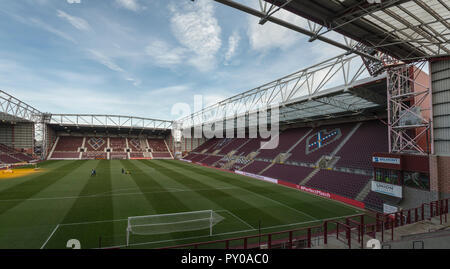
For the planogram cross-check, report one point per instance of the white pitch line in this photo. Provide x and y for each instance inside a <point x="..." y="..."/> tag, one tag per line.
<point x="113" y="195"/>
<point x="91" y="222"/>
<point x="46" y="241"/>
<point x="241" y="220"/>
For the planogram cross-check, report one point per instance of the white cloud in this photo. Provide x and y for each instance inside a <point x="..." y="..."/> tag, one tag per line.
<point x="233" y="43"/>
<point x="109" y="63"/>
<point x="104" y="60"/>
<point x="49" y="28"/>
<point x="196" y="28"/>
<point x="165" y="55"/>
<point x="129" y="4"/>
<point x="76" y="22"/>
<point x="74" y="1"/>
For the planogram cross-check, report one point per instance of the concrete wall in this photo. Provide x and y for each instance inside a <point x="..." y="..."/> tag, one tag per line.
<point x="413" y="197"/>
<point x="440" y="161"/>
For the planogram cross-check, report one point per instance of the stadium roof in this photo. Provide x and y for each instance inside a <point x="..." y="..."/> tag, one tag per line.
<point x="407" y="30"/>
<point x="111" y="122"/>
<point x="14" y="110"/>
<point x="330" y="89"/>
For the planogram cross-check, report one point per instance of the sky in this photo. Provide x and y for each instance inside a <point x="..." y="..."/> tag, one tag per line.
<point x="141" y="57"/>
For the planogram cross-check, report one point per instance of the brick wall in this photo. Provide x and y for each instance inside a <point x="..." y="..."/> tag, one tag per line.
<point x="440" y="175"/>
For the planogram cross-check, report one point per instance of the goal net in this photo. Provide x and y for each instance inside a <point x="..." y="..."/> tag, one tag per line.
<point x="169" y="223"/>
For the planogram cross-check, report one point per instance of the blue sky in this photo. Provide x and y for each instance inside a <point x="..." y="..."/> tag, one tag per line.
<point x="140" y="57"/>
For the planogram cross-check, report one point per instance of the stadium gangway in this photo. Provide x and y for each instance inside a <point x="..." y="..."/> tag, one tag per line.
<point x="426" y="211"/>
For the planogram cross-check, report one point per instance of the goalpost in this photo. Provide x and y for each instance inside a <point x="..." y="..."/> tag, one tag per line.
<point x="175" y="222"/>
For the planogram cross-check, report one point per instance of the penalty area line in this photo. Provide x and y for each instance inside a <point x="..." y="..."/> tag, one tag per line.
<point x="48" y="239"/>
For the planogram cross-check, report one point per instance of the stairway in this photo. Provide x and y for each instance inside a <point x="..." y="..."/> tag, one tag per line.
<point x="308" y="178"/>
<point x="53" y="148"/>
<point x="298" y="142"/>
<point x="364" y="192"/>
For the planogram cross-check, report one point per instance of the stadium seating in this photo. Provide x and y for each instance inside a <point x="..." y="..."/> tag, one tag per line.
<point x="117" y="144"/>
<point x="372" y="201"/>
<point x="135" y="145"/>
<point x="5" y="158"/>
<point x="255" y="167"/>
<point x="286" y="140"/>
<point x="159" y="148"/>
<point x="95" y="144"/>
<point x="9" y="155"/>
<point x="206" y="145"/>
<point x="67" y="148"/>
<point x="69" y="144"/>
<point x="344" y="184"/>
<point x="210" y="160"/>
<point x="369" y="138"/>
<point x="157" y="145"/>
<point x="290" y="173"/>
<point x="321" y="141"/>
<point x="232" y="144"/>
<point x="251" y="146"/>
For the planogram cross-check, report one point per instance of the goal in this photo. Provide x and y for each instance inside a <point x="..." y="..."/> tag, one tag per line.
<point x="175" y="222"/>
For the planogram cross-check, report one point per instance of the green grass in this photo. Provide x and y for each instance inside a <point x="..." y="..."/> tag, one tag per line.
<point x="47" y="209"/>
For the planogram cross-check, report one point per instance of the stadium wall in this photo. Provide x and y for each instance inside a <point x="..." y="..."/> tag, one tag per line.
<point x="440" y="161"/>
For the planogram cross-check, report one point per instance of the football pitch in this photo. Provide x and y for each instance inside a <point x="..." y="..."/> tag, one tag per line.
<point x="63" y="201"/>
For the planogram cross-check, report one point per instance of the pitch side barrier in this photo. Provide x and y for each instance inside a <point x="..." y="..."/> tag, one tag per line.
<point x="17" y="165"/>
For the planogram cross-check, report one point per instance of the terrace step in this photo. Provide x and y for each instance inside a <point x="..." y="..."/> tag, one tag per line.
<point x="53" y="148"/>
<point x="299" y="141"/>
<point x="267" y="168"/>
<point x="364" y="192"/>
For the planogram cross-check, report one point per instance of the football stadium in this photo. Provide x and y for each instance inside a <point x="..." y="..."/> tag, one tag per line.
<point x="350" y="152"/>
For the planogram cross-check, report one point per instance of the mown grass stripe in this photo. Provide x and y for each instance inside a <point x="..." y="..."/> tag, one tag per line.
<point x="23" y="191"/>
<point x="223" y="199"/>
<point x="160" y="202"/>
<point x="100" y="208"/>
<point x="314" y="206"/>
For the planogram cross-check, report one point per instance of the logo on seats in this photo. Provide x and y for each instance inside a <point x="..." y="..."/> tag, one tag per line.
<point x="321" y="139"/>
<point x="96" y="143"/>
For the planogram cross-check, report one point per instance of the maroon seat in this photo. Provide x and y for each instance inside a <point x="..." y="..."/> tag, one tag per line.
<point x="256" y="167"/>
<point x="290" y="173"/>
<point x="321" y="141"/>
<point x="370" y="137"/>
<point x="344" y="184"/>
